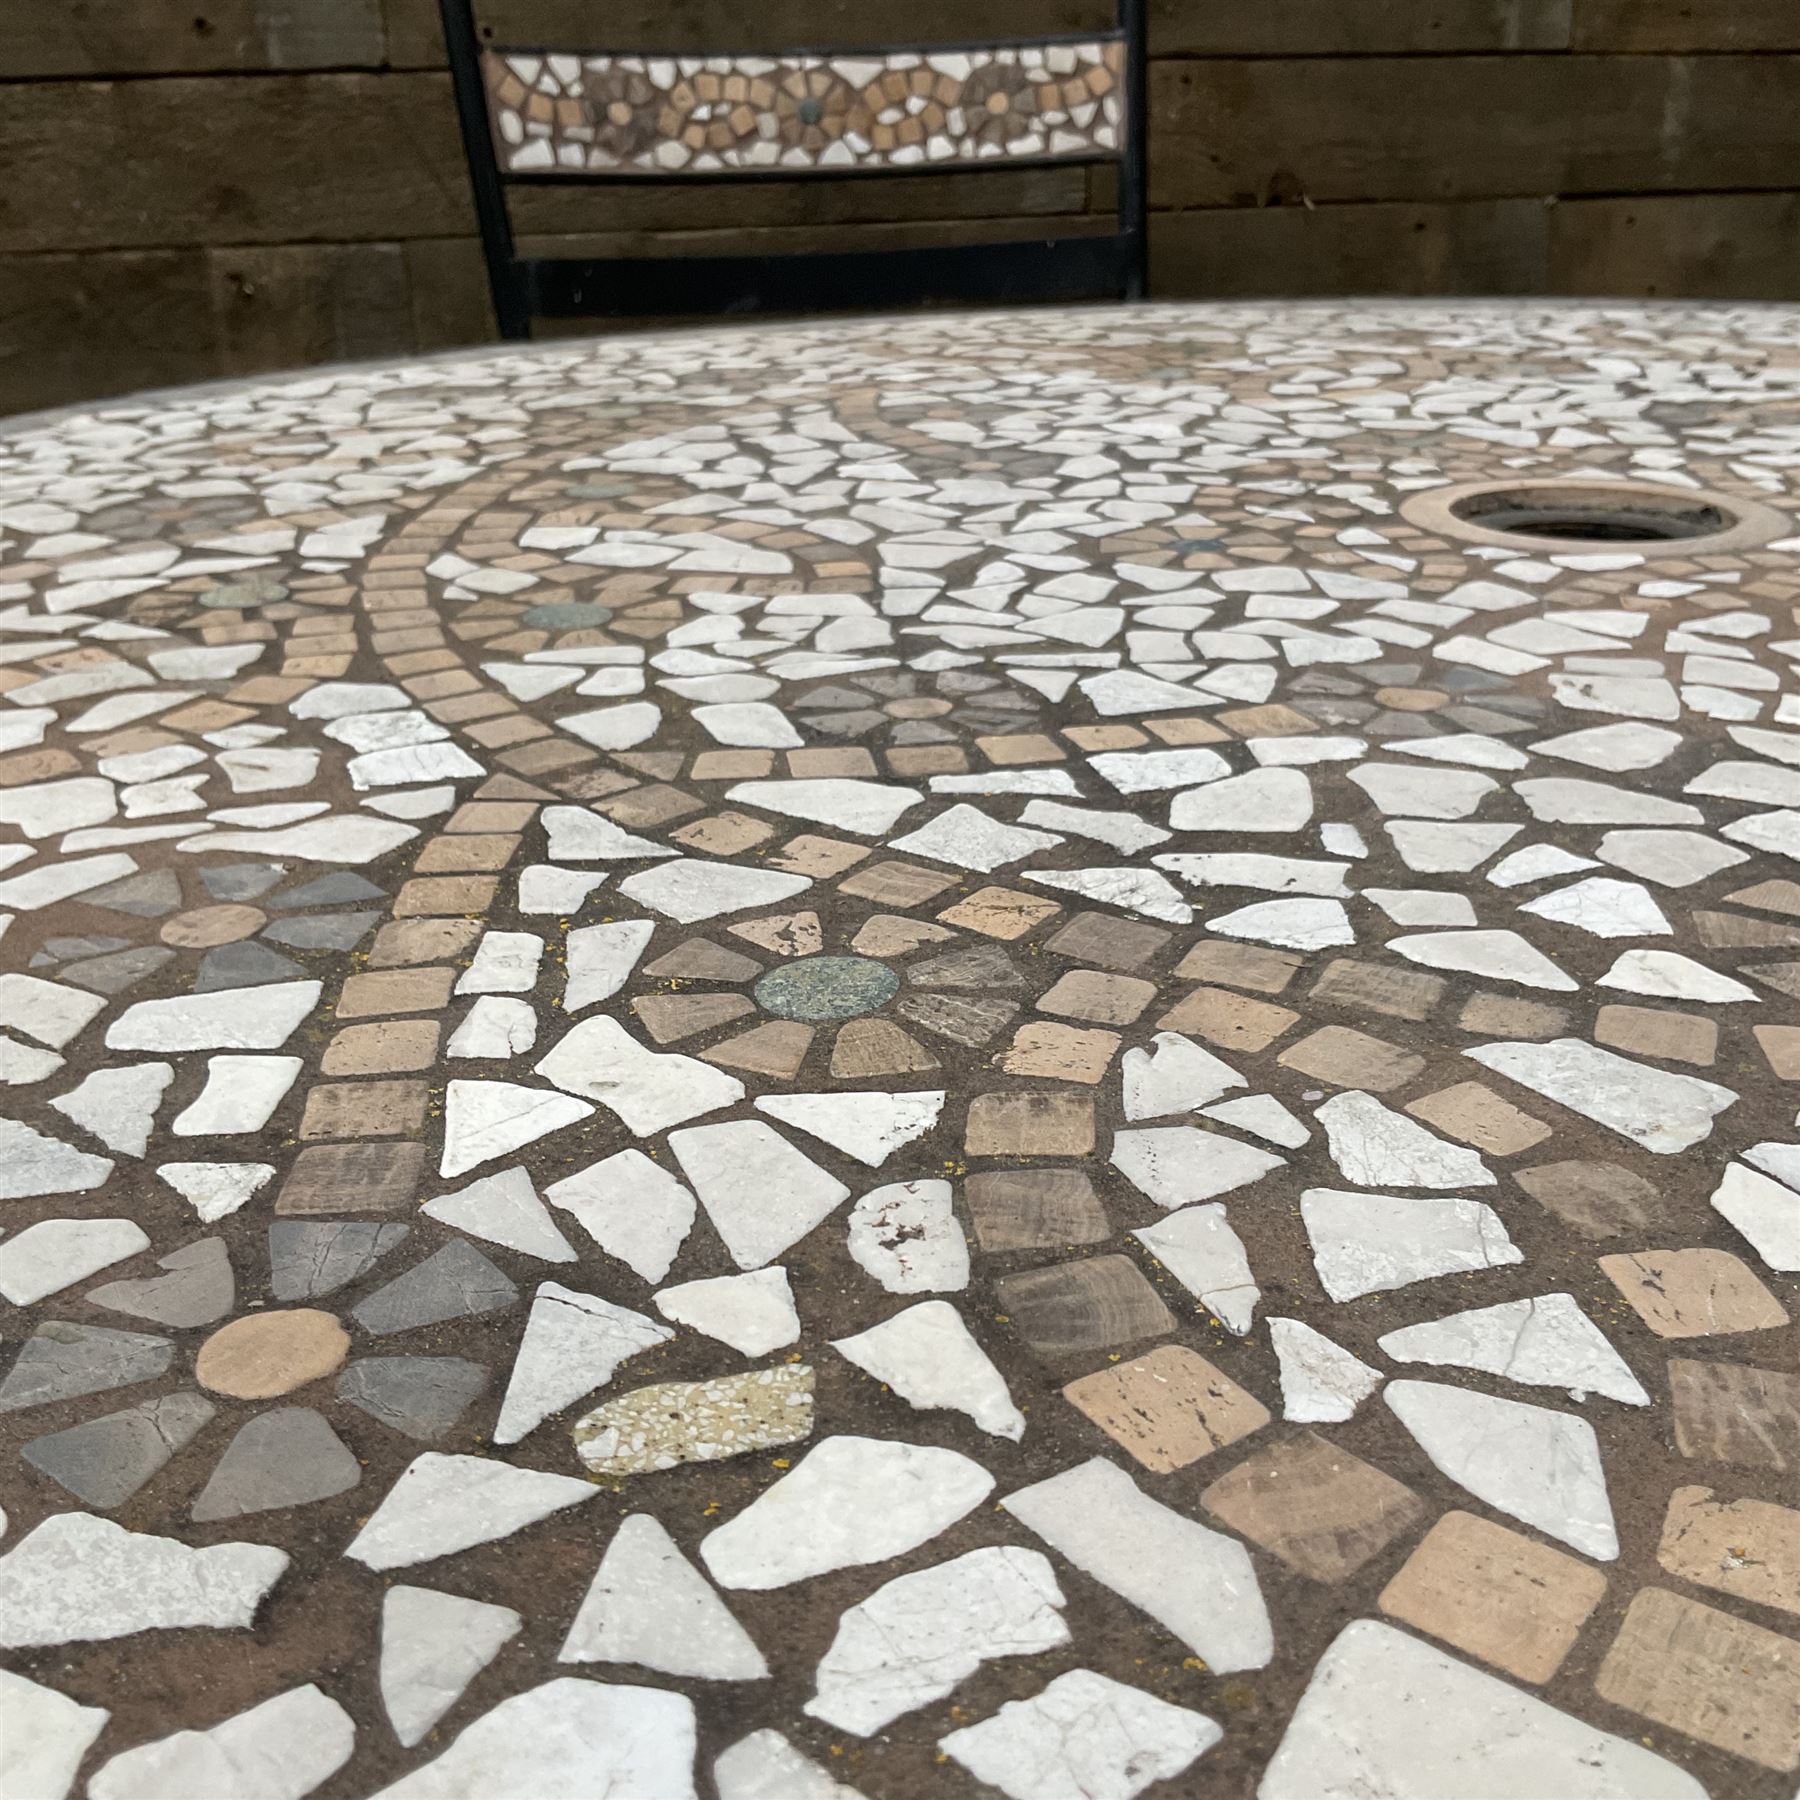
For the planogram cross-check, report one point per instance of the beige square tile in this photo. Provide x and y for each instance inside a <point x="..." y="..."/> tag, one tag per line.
<point x="1495" y="1594"/>
<point x="382" y="991"/>
<point x="1749" y="1549"/>
<point x="1321" y="1510"/>
<point x="364" y="1109"/>
<point x="999" y="912"/>
<point x="1100" y="998"/>
<point x="1168" y="1408"/>
<point x="1712" y="1677"/>
<point x="1232" y="1021"/>
<point x="1694" y="1293"/>
<point x="1060" y="1052"/>
<point x="1352" y="1059"/>
<point x="1030" y="1124"/>
<point x="1649" y="1031"/>
<point x="1474" y="1114"/>
<point x="1239" y="966"/>
<point x="391" y="1047"/>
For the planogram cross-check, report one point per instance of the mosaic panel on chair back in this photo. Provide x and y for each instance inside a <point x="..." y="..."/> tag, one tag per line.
<point x="570" y="114"/>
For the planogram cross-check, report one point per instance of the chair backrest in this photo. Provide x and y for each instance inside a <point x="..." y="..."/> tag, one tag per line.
<point x="532" y="116"/>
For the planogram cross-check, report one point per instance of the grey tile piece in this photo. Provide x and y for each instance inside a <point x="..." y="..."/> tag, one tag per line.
<point x="243" y="965"/>
<point x="286" y="1457"/>
<point x="105" y="1461"/>
<point x="62" y="1361"/>
<point x="422" y="1396"/>
<point x="338" y="888"/>
<point x="145" y="896"/>
<point x="242" y="881"/>
<point x="322" y="931"/>
<point x="115" y="973"/>
<point x="458" y="1282"/>
<point x="195" y="1289"/>
<point x="309" y="1257"/>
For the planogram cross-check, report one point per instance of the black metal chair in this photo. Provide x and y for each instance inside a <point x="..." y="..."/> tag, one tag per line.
<point x="532" y="116"/>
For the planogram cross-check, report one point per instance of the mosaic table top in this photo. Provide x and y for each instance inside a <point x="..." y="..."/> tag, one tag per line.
<point x="909" y="1058"/>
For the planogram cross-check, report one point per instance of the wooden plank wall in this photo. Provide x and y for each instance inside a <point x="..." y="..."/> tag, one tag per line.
<point x="225" y="186"/>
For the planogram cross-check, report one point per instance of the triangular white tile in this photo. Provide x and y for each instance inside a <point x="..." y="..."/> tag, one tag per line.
<point x="572" y="1344"/>
<point x="504" y="1209"/>
<point x="432" y="1646"/>
<point x="868" y="1126"/>
<point x="649" y="1605"/>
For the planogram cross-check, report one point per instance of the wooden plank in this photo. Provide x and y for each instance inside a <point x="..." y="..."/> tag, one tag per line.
<point x="448" y="290"/>
<point x="48" y="38"/>
<point x="1355" y="27"/>
<point x="284" y="306"/>
<point x="1235" y="132"/>
<point x="1691" y="246"/>
<point x="253" y="159"/>
<point x="701" y="27"/>
<point x="1686" y="25"/>
<point x="1469" y="247"/>
<point x="713" y="205"/>
<point x="788" y="240"/>
<point x="415" y="36"/>
<point x="80" y="327"/>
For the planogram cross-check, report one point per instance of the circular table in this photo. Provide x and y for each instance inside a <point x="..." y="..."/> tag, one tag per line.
<point x="954" y="1055"/>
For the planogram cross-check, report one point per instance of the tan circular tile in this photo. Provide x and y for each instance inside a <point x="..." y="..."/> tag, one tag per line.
<point x="924" y="707"/>
<point x="1411" y="699"/>
<point x="206" y="926"/>
<point x="265" y="1354"/>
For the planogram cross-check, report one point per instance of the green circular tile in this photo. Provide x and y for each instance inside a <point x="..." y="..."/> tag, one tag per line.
<point x="826" y="987"/>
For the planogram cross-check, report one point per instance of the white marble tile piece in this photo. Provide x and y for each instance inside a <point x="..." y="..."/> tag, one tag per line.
<point x="280" y="1750"/>
<point x="1765" y="1212"/>
<point x="867" y="808"/>
<point x="631" y="1207"/>
<point x="1376" y="1147"/>
<point x="1356" y="1735"/>
<point x="1529" y="1462"/>
<point x="649" y="1605"/>
<point x="1493" y="955"/>
<point x="1372" y="1243"/>
<point x="929" y="1357"/>
<point x="118" y="1106"/>
<point x="848" y="1502"/>
<point x="486" y="1119"/>
<point x="1664" y="1112"/>
<point x="1083" y="1737"/>
<point x="918" y="1636"/>
<point x="248" y="1018"/>
<point x="43" y="1737"/>
<point x="601" y="959"/>
<point x="1668" y="975"/>
<point x="1321" y="1382"/>
<point x="753" y="1312"/>
<point x="1198" y="1584"/>
<point x="761" y="1194"/>
<point x="432" y="1646"/>
<point x="1545" y="1341"/>
<point x="80" y="1579"/>
<point x="1199" y="1248"/>
<point x="689" y="890"/>
<point x="647" y="1089"/>
<point x="867" y="1124"/>
<point x="967" y="838"/>
<point x="503" y="1209"/>
<point x="569" y="1739"/>
<point x="1176" y="1165"/>
<point x="442" y="1504"/>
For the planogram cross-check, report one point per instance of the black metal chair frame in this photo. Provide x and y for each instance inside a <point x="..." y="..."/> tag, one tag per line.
<point x="1101" y="265"/>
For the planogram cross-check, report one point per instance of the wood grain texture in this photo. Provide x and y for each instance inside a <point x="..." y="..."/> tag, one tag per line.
<point x="40" y="38"/>
<point x="249" y="159"/>
<point x="1681" y="25"/>
<point x="1243" y="133"/>
<point x="1356" y="27"/>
